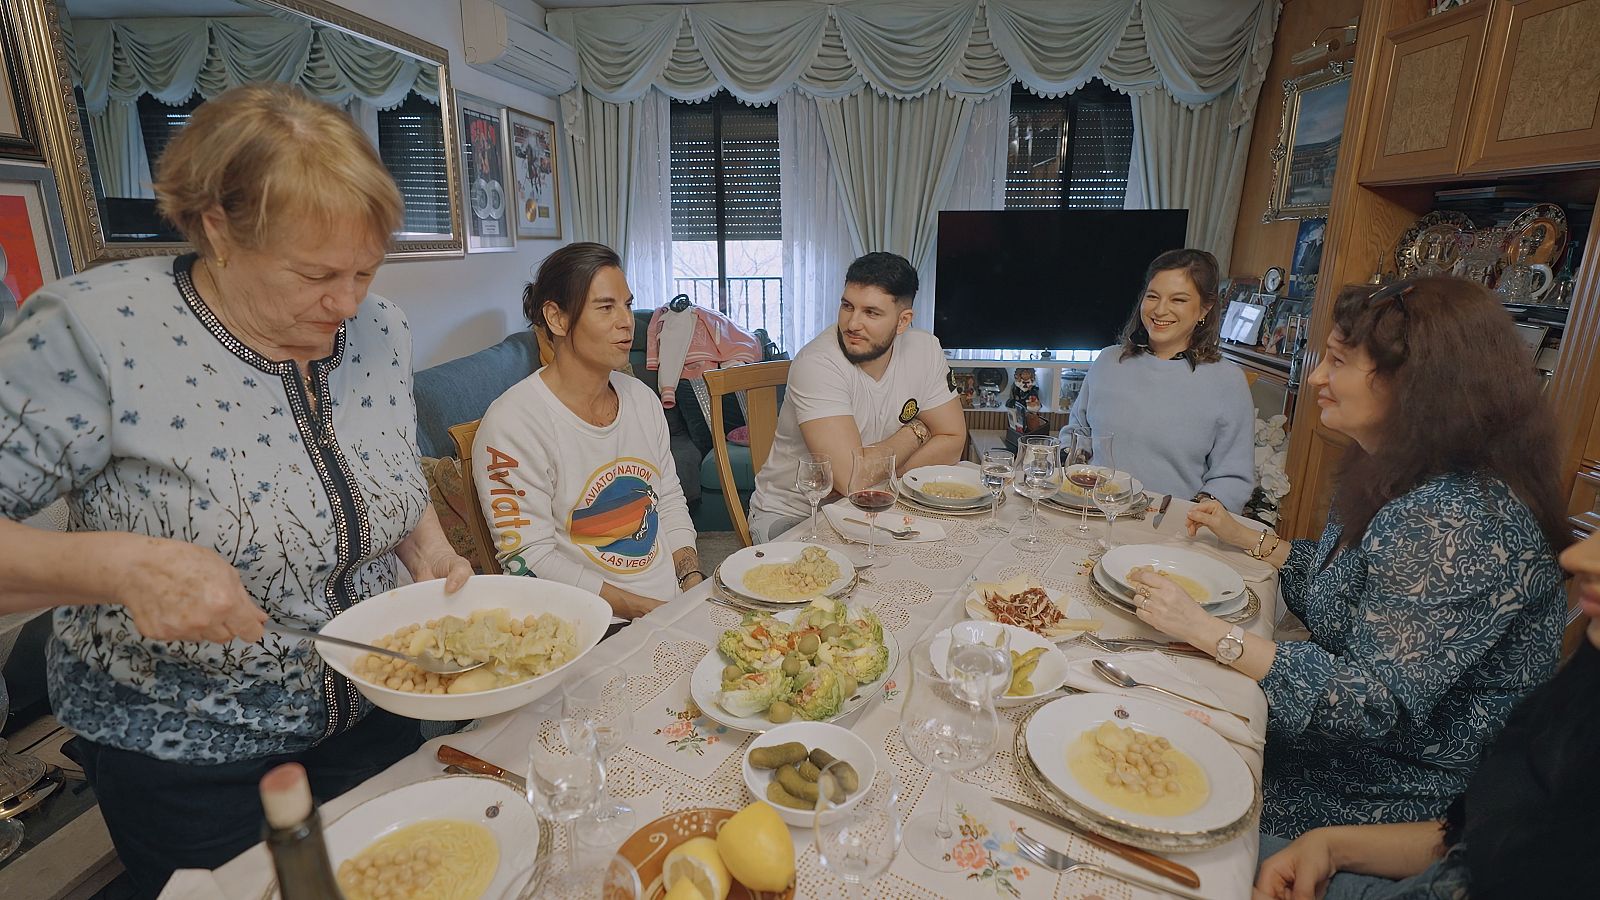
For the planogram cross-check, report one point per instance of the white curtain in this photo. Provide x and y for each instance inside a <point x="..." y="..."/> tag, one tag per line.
<point x="979" y="183"/>
<point x="647" y="258"/>
<point x="599" y="140"/>
<point x="1189" y="159"/>
<point x="119" y="155"/>
<point x="816" y="229"/>
<point x="895" y="161"/>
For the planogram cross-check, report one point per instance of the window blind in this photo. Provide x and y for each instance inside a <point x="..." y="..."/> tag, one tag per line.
<point x="1070" y="151"/>
<point x="411" y="145"/>
<point x="725" y="168"/>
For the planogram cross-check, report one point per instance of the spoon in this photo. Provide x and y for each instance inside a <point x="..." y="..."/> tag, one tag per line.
<point x="1114" y="673"/>
<point x="425" y="663"/>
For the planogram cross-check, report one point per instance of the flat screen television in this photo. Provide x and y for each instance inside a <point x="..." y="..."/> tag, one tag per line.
<point x="1037" y="279"/>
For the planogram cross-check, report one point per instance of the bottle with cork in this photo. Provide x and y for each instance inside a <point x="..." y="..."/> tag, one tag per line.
<point x="294" y="836"/>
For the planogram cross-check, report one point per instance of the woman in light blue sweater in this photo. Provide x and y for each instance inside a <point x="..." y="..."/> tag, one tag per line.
<point x="1182" y="416"/>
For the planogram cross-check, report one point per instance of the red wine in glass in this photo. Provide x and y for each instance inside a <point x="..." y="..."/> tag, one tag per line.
<point x="1084" y="478"/>
<point x="872" y="501"/>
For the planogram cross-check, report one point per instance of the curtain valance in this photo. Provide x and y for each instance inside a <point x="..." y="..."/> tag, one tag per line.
<point x="1195" y="50"/>
<point x="171" y="58"/>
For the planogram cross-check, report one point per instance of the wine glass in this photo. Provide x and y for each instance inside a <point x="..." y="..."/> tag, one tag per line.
<point x="10" y="829"/>
<point x="857" y="842"/>
<point x="998" y="468"/>
<point x="1113" y="494"/>
<point x="1038" y="470"/>
<point x="872" y="488"/>
<point x="598" y="702"/>
<point x="563" y="787"/>
<point x="948" y="730"/>
<point x="619" y="880"/>
<point x="979" y="657"/>
<point x="1078" y="446"/>
<point x="813" y="478"/>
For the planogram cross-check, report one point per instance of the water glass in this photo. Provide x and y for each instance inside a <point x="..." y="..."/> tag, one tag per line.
<point x="1038" y="472"/>
<point x="947" y="730"/>
<point x="617" y="879"/>
<point x="813" y="478"/>
<point x="598" y="702"/>
<point x="857" y="839"/>
<point x="563" y="786"/>
<point x="872" y="488"/>
<point x="999" y="467"/>
<point x="980" y="657"/>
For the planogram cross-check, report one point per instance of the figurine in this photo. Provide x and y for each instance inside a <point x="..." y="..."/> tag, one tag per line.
<point x="991" y="381"/>
<point x="1025" y="389"/>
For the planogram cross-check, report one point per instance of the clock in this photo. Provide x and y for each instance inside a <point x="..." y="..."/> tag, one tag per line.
<point x="1273" y="280"/>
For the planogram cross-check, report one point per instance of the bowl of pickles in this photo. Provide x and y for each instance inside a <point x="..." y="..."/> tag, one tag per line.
<point x="782" y="766"/>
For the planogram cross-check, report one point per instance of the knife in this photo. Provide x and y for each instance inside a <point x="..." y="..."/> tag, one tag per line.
<point x="1144" y="859"/>
<point x="450" y="756"/>
<point x="1161" y="511"/>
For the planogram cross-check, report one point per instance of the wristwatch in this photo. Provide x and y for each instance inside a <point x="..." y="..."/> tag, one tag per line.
<point x="920" y="431"/>
<point x="1231" y="646"/>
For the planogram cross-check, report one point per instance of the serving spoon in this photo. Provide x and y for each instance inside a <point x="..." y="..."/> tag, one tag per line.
<point x="426" y="663"/>
<point x="1115" y="674"/>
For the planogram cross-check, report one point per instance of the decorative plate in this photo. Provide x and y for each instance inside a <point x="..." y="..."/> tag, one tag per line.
<point x="1405" y="250"/>
<point x="1538" y="235"/>
<point x="648" y="847"/>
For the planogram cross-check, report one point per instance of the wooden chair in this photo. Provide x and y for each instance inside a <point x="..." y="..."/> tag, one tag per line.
<point x="759" y="382"/>
<point x="464" y="434"/>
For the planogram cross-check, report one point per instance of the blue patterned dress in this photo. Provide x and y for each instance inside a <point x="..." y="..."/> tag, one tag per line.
<point x="1424" y="636"/>
<point x="121" y="391"/>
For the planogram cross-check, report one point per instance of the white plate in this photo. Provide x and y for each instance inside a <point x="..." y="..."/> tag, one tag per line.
<point x="1074" y="496"/>
<point x="977" y="609"/>
<point x="1050" y="674"/>
<point x="840" y="743"/>
<point x="1057" y="725"/>
<point x="1216" y="576"/>
<point x="519" y="595"/>
<point x="919" y="478"/>
<point x="706" y="683"/>
<point x="909" y="501"/>
<point x="1126" y="599"/>
<point x="468" y="798"/>
<point x="735" y="567"/>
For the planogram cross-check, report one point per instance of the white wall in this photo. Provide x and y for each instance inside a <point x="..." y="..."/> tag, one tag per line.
<point x="459" y="306"/>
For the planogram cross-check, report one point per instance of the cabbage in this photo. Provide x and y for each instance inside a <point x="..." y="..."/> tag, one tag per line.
<point x="757" y="643"/>
<point x="820" y="613"/>
<point x="863" y="663"/>
<point x="753" y="693"/>
<point x="818" y="693"/>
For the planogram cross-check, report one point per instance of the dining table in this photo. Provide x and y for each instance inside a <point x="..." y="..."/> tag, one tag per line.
<point x="678" y="758"/>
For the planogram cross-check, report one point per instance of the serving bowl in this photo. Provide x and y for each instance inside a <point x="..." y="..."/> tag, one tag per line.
<point x="841" y="743"/>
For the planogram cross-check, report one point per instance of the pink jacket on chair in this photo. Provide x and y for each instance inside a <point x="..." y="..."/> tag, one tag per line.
<point x="713" y="343"/>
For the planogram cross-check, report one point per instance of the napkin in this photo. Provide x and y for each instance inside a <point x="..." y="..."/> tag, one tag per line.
<point x="1154" y="668"/>
<point x="836" y="512"/>
<point x="192" y="884"/>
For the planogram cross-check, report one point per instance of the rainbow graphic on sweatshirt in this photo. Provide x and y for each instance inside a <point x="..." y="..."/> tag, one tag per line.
<point x="616" y="522"/>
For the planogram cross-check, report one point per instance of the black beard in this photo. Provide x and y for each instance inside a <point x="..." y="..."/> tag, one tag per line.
<point x="866" y="356"/>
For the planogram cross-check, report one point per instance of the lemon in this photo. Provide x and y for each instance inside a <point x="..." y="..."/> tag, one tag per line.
<point x="757" y="848"/>
<point x="685" y="890"/>
<point x="697" y="862"/>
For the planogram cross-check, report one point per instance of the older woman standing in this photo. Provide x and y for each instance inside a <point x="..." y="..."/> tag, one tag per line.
<point x="233" y="431"/>
<point x="1433" y="599"/>
<point x="1182" y="416"/>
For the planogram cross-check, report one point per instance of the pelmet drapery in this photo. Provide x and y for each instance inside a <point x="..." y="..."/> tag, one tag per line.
<point x="115" y="61"/>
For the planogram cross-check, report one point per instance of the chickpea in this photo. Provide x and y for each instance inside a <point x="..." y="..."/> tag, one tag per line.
<point x="1113" y="779"/>
<point x="1163" y="743"/>
<point x="1173" y="786"/>
<point x="1161" y="770"/>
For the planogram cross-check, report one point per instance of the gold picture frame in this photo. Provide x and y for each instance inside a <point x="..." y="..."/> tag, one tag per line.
<point x="1307" y="153"/>
<point x="46" y="76"/>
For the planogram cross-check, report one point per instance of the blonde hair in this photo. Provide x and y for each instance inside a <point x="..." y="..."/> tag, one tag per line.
<point x="271" y="156"/>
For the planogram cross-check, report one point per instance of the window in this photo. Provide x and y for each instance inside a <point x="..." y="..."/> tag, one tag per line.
<point x="1069" y="151"/>
<point x="727" y="232"/>
<point x="411" y="145"/>
<point x="160" y="122"/>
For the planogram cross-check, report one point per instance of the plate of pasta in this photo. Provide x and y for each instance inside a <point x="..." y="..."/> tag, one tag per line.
<point x="789" y="572"/>
<point x="454" y="837"/>
<point x="528" y="630"/>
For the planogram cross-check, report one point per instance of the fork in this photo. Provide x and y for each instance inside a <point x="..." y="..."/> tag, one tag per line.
<point x="1057" y="861"/>
<point x="1126" y="645"/>
<point x="904" y="534"/>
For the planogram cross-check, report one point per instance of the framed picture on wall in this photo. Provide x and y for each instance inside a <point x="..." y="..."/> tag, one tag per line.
<point x="33" y="236"/>
<point x="18" y="138"/>
<point x="488" y="191"/>
<point x="536" y="175"/>
<point x="1307" y="261"/>
<point x="1308" y="143"/>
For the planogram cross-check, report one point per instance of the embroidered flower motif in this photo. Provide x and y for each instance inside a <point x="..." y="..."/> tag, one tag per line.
<point x="969" y="854"/>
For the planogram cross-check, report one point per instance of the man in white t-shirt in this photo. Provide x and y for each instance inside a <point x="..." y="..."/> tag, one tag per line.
<point x="871" y="381"/>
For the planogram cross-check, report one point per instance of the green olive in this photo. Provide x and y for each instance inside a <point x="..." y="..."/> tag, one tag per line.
<point x="809" y="645"/>
<point x="793" y="664"/>
<point x="832" y="631"/>
<point x="732" y="673"/>
<point x="779" y="712"/>
<point x="847" y="684"/>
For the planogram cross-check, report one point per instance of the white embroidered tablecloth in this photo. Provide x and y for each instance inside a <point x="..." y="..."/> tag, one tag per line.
<point x="678" y="759"/>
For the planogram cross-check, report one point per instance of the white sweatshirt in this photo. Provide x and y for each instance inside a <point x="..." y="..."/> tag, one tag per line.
<point x="580" y="504"/>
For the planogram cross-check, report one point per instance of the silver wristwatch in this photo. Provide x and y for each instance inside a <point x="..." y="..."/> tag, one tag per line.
<point x="1231" y="646"/>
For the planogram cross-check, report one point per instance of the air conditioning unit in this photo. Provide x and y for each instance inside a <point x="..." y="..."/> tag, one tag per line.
<point x="510" y="47"/>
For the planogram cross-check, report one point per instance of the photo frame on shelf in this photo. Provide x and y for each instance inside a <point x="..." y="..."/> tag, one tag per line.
<point x="33" y="234"/>
<point x="536" y="172"/>
<point x="1281" y="338"/>
<point x="1243" y="321"/>
<point x="1239" y="288"/>
<point x="1307" y="261"/>
<point x="19" y="136"/>
<point x="1532" y="336"/>
<point x="1307" y="152"/>
<point x="486" y="187"/>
